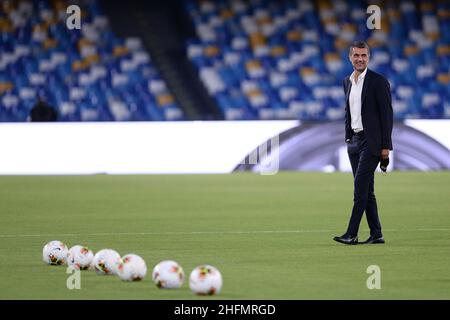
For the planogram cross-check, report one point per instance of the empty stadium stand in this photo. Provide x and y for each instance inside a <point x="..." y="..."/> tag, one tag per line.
<point x="286" y="59"/>
<point x="87" y="75"/>
<point x="211" y="60"/>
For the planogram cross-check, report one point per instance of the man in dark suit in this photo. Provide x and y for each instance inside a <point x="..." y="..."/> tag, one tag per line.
<point x="368" y="130"/>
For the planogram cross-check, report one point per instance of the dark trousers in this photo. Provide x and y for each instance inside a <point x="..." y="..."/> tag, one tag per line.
<point x="363" y="164"/>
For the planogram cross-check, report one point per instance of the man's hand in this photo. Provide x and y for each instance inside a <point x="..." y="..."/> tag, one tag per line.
<point x="384" y="161"/>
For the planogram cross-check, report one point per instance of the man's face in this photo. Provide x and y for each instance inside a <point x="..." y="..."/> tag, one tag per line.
<point x="359" y="58"/>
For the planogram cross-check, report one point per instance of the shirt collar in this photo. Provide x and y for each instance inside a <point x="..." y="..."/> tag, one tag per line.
<point x="360" y="77"/>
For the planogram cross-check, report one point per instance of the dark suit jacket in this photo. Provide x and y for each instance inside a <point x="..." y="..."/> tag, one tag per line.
<point x="376" y="111"/>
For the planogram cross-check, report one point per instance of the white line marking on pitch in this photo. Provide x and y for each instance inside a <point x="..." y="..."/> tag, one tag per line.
<point x="200" y="233"/>
<point x="158" y="233"/>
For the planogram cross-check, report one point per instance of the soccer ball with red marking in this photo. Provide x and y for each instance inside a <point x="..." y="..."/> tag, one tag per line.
<point x="55" y="253"/>
<point x="106" y="262"/>
<point x="205" y="280"/>
<point x="132" y="268"/>
<point x="80" y="258"/>
<point x="168" y="275"/>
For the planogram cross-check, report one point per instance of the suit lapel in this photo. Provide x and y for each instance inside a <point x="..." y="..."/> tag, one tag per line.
<point x="366" y="85"/>
<point x="347" y="94"/>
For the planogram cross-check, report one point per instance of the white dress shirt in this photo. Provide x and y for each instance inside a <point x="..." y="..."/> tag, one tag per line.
<point x="355" y="101"/>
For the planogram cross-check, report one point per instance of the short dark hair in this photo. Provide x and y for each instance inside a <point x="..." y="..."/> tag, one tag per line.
<point x="359" y="44"/>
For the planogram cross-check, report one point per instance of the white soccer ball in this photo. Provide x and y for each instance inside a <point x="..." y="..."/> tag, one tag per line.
<point x="168" y="275"/>
<point x="106" y="262"/>
<point x="55" y="253"/>
<point x="80" y="258"/>
<point x="132" y="268"/>
<point x="205" y="280"/>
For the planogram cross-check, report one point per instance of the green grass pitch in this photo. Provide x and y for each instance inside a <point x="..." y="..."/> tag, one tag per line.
<point x="270" y="236"/>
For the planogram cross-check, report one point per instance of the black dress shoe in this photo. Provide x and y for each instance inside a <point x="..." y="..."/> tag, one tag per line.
<point x="373" y="240"/>
<point x="346" y="239"/>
